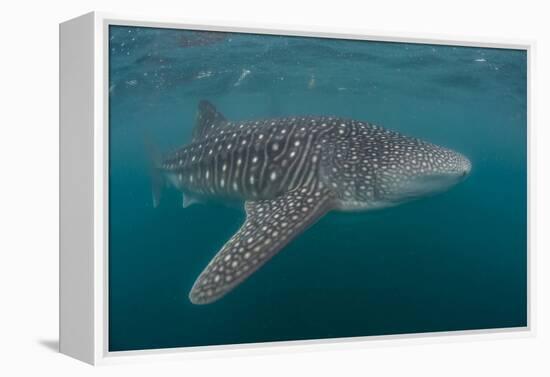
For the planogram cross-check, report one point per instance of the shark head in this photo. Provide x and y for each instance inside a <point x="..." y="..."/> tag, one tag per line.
<point x="429" y="170"/>
<point x="377" y="168"/>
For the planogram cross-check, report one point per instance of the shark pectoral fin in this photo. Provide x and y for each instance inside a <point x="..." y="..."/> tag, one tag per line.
<point x="269" y="226"/>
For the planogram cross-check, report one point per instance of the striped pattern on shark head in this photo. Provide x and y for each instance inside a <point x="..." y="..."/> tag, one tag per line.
<point x="291" y="171"/>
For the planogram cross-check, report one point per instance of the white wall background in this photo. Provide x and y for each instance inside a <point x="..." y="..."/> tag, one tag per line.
<point x="29" y="184"/>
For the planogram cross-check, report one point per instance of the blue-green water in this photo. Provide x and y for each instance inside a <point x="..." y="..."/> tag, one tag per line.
<point x="455" y="261"/>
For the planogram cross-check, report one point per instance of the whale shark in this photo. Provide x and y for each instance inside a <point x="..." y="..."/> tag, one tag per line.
<point x="288" y="173"/>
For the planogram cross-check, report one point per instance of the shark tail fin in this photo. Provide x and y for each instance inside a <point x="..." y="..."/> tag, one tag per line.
<point x="155" y="160"/>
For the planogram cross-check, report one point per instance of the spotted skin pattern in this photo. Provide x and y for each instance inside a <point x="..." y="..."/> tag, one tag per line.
<point x="269" y="226"/>
<point x="290" y="172"/>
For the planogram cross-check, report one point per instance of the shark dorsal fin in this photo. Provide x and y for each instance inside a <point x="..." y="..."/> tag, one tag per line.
<point x="208" y="119"/>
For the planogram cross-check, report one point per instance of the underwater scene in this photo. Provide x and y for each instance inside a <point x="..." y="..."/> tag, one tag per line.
<point x="273" y="188"/>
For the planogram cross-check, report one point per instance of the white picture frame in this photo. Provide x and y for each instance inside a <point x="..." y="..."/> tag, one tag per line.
<point x="84" y="190"/>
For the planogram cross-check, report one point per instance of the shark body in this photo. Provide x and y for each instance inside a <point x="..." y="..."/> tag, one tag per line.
<point x="289" y="172"/>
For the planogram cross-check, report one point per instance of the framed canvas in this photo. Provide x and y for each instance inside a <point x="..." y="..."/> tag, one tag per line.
<point x="243" y="188"/>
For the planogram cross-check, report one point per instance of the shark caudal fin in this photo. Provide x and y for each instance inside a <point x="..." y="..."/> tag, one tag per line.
<point x="157" y="179"/>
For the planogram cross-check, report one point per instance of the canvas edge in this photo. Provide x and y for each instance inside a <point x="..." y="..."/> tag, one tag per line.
<point x="101" y="354"/>
<point x="310" y="30"/>
<point x="76" y="191"/>
<point x="531" y="50"/>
